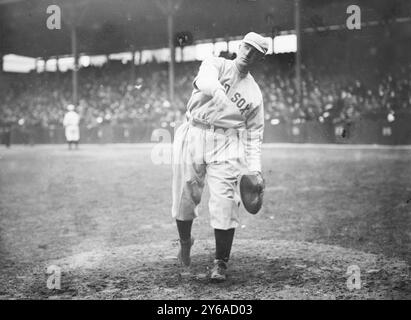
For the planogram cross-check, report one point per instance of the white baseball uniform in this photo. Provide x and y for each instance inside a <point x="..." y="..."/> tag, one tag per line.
<point x="203" y="145"/>
<point x="71" y="123"/>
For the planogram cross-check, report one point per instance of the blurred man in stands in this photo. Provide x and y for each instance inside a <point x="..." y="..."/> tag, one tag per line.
<point x="6" y="133"/>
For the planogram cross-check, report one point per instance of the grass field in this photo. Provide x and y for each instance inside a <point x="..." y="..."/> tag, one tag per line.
<point x="102" y="214"/>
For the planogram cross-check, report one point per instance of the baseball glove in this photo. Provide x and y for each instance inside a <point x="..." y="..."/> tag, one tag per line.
<point x="252" y="187"/>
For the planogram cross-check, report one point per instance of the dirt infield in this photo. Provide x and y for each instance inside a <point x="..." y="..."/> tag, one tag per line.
<point x="101" y="214"/>
<point x="259" y="270"/>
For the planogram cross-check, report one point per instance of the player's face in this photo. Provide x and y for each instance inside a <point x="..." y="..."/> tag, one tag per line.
<point x="248" y="55"/>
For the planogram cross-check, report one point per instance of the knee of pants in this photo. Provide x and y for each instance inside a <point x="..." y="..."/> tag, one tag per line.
<point x="190" y="198"/>
<point x="224" y="212"/>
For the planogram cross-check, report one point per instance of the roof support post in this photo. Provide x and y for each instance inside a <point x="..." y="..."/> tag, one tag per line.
<point x="133" y="66"/>
<point x="57" y="68"/>
<point x="170" y="28"/>
<point x="74" y="52"/>
<point x="36" y="65"/>
<point x="169" y="8"/>
<point x="57" y="64"/>
<point x="298" y="53"/>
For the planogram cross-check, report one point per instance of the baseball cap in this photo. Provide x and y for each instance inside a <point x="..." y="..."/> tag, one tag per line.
<point x="257" y="41"/>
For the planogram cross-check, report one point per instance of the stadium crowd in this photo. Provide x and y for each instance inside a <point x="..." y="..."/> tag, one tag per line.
<point x="107" y="94"/>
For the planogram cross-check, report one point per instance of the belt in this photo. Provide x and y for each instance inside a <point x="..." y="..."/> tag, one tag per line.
<point x="205" y="125"/>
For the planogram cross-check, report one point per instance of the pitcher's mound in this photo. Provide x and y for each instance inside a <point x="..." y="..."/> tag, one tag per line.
<point x="259" y="269"/>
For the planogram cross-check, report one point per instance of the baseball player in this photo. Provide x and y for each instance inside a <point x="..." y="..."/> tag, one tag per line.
<point x="221" y="139"/>
<point x="71" y="123"/>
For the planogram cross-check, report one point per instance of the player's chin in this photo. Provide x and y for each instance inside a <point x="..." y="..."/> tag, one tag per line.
<point x="243" y="63"/>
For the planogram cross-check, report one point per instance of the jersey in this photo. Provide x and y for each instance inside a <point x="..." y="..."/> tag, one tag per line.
<point x="71" y="122"/>
<point x="71" y="118"/>
<point x="246" y="111"/>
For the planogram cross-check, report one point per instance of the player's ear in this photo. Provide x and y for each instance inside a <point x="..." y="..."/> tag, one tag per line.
<point x="262" y="58"/>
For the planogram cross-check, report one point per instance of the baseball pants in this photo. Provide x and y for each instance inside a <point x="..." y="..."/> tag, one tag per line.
<point x="72" y="133"/>
<point x="200" y="154"/>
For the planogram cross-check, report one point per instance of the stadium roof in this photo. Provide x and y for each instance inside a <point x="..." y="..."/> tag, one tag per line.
<point x="107" y="26"/>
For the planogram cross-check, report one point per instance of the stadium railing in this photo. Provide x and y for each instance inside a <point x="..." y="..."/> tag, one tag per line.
<point x="363" y="131"/>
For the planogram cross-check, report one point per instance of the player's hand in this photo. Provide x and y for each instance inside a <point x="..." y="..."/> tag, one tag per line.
<point x="258" y="174"/>
<point x="220" y="99"/>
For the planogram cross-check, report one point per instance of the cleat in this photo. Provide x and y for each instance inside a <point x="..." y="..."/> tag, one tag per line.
<point x="218" y="273"/>
<point x="184" y="252"/>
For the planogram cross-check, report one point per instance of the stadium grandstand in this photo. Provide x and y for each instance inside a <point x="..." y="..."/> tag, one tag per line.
<point x="130" y="73"/>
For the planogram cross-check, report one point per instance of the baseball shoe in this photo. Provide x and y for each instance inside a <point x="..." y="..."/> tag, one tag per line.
<point x="184" y="252"/>
<point x="218" y="273"/>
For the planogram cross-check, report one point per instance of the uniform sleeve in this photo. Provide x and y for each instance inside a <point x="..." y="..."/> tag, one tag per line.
<point x="77" y="119"/>
<point x="65" y="120"/>
<point x="254" y="138"/>
<point x="207" y="78"/>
